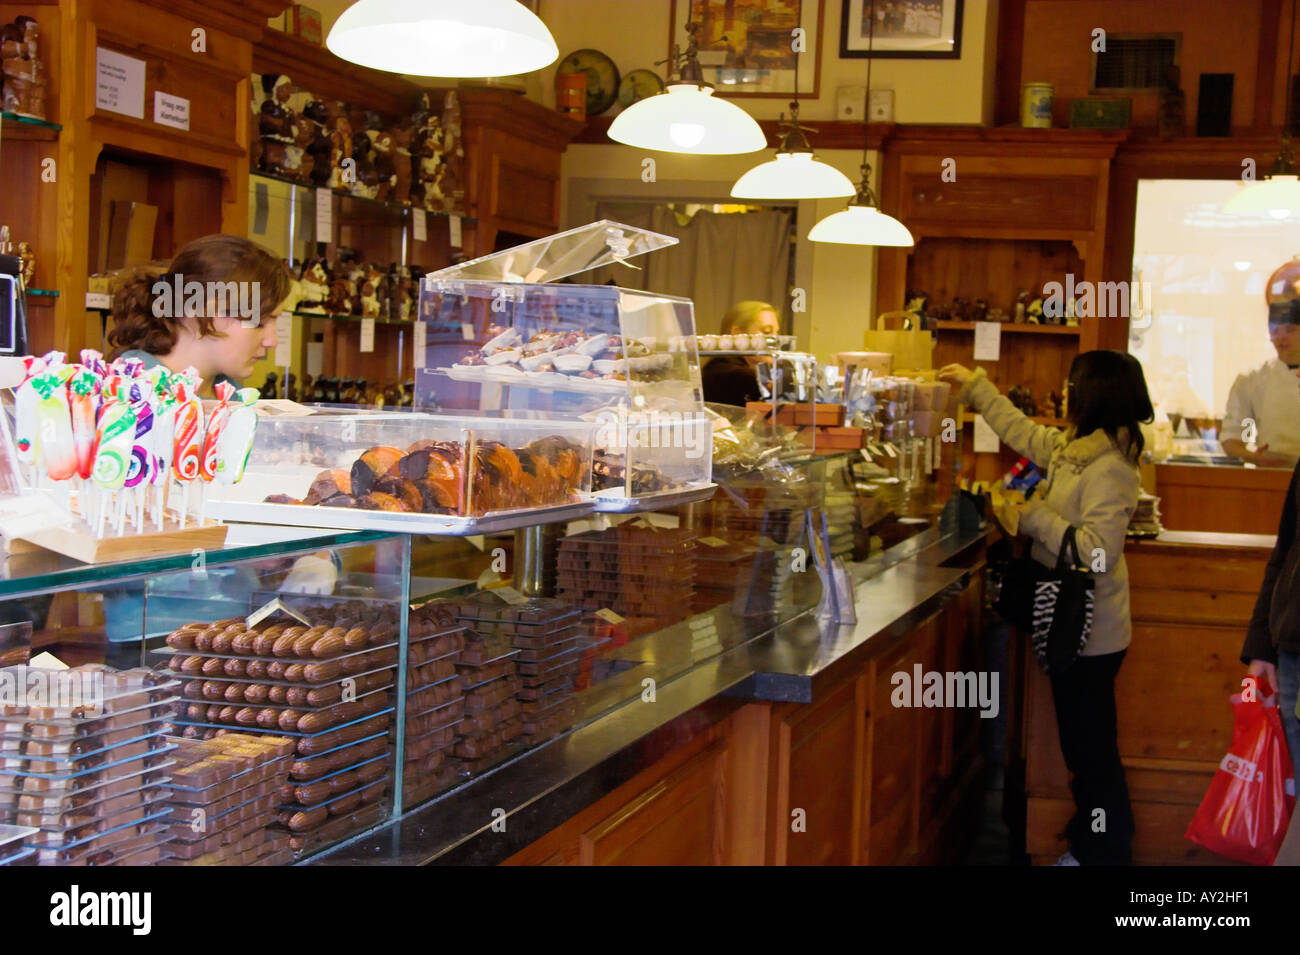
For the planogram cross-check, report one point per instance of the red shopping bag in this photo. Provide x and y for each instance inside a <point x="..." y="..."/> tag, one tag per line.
<point x="1245" y="813"/>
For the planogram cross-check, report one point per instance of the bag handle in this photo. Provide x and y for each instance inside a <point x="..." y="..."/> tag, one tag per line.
<point x="1067" y="540"/>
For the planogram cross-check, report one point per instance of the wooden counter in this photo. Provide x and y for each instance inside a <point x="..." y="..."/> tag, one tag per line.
<point x="1192" y="596"/>
<point x="1222" y="499"/>
<point x="847" y="779"/>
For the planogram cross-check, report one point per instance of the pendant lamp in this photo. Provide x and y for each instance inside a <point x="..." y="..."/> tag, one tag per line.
<point x="795" y="173"/>
<point x="443" y="37"/>
<point x="1277" y="194"/>
<point x="862" y="222"/>
<point x="686" y="118"/>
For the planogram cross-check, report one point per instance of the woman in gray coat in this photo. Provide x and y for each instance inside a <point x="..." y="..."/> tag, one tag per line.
<point x="1092" y="484"/>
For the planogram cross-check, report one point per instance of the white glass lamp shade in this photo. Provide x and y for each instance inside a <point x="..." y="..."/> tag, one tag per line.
<point x="793" y="176"/>
<point x="861" y="225"/>
<point x="687" y="119"/>
<point x="1277" y="196"/>
<point x="443" y="37"/>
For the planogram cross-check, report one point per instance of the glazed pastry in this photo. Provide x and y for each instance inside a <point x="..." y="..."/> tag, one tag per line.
<point x="372" y="466"/>
<point x="327" y="485"/>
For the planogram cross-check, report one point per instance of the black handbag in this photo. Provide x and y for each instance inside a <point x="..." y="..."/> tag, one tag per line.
<point x="1053" y="605"/>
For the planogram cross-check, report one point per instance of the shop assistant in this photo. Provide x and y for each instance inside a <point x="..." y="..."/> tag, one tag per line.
<point x="1270" y="397"/>
<point x="730" y="379"/>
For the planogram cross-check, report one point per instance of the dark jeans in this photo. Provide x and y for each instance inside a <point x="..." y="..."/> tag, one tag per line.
<point x="1084" y="696"/>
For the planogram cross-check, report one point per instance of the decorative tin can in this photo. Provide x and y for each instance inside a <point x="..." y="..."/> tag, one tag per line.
<point x="1036" y="105"/>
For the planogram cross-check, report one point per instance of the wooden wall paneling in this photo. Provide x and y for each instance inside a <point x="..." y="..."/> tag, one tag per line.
<point x="676" y="821"/>
<point x="928" y="762"/>
<point x="1245" y="501"/>
<point x="749" y="787"/>
<point x="894" y="773"/>
<point x="817" y="754"/>
<point x="1158" y="839"/>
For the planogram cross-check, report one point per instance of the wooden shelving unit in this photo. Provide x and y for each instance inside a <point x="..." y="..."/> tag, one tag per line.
<point x="996" y="212"/>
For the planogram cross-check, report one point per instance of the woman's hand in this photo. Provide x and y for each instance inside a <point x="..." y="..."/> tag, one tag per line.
<point x="955" y="375"/>
<point x="1262" y="668"/>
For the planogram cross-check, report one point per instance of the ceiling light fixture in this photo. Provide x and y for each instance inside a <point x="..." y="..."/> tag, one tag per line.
<point x="443" y="37"/>
<point x="862" y="223"/>
<point x="686" y="118"/>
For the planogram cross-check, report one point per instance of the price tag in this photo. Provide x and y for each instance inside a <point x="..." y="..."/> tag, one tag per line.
<point x="454" y="225"/>
<point x="510" y="595"/>
<point x="324" y="215"/>
<point x="367" y="334"/>
<point x="273" y="606"/>
<point x="713" y="541"/>
<point x="986" y="439"/>
<point x="418" y="337"/>
<point x="477" y="540"/>
<point x="419" y="225"/>
<point x="609" y="616"/>
<point x="988" y="341"/>
<point x="467" y="331"/>
<point x="284" y="339"/>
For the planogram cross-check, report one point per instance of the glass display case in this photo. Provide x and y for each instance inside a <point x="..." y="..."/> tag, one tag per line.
<point x="508" y="334"/>
<point x="412" y="472"/>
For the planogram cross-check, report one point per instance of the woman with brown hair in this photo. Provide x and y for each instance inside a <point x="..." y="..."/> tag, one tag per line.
<point x="213" y="309"/>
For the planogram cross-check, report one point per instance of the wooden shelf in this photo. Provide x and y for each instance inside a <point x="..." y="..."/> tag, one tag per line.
<point x="969" y="418"/>
<point x="28" y="128"/>
<point x="1012" y="328"/>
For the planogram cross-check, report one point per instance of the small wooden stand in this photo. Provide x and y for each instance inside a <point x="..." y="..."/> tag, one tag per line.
<point x="77" y="541"/>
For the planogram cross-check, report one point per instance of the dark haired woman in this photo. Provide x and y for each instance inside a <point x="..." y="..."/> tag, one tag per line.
<point x="242" y="285"/>
<point x="1091" y="484"/>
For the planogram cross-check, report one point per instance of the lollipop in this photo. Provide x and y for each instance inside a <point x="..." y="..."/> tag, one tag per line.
<point x="186" y="442"/>
<point x="212" y="436"/>
<point x="54" y="425"/>
<point x="237" y="441"/>
<point x="143" y="464"/>
<point x="83" y="387"/>
<point x="25" y="399"/>
<point x="115" y="436"/>
<point x="164" y="425"/>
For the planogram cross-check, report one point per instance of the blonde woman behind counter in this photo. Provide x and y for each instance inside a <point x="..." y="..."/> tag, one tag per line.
<point x="730" y="379"/>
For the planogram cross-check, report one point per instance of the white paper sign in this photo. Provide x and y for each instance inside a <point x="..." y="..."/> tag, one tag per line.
<point x="455" y="232"/>
<point x="119" y="83"/>
<point x="283" y="339"/>
<point x="171" y="110"/>
<point x="367" y="334"/>
<point x="467" y="331"/>
<point x="419" y="226"/>
<point x="988" y="341"/>
<point x="510" y="595"/>
<point x="986" y="439"/>
<point x="324" y="215"/>
<point x="420" y="331"/>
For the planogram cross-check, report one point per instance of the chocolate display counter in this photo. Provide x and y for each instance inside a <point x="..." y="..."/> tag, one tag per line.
<point x="384" y="701"/>
<point x="1220" y="495"/>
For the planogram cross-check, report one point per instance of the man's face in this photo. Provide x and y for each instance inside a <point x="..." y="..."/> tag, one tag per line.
<point x="1286" y="339"/>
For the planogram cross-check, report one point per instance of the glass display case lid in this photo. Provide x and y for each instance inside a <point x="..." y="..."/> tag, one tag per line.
<point x="559" y="256"/>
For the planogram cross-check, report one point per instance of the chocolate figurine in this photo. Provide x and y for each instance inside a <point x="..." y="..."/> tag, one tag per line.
<point x="315" y="140"/>
<point x="27" y="256"/>
<point x="384" y="159"/>
<point x="340" y="130"/>
<point x="24" y="73"/>
<point x="314" y="286"/>
<point x="276" y="127"/>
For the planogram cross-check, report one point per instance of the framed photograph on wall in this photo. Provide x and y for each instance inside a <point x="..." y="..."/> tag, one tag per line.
<point x="904" y="30"/>
<point x="747" y="47"/>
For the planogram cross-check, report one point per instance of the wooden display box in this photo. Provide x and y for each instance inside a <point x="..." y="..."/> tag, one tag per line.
<point x="799" y="415"/>
<point x="833" y="439"/>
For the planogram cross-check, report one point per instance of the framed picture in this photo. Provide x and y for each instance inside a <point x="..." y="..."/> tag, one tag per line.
<point x="904" y="29"/>
<point x="749" y="47"/>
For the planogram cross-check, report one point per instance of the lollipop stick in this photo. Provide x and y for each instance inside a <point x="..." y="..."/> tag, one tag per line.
<point x="100" y="504"/>
<point x="203" y="505"/>
<point x="185" y="502"/>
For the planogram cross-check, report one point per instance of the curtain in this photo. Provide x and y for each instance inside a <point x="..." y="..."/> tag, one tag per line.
<point x="720" y="258"/>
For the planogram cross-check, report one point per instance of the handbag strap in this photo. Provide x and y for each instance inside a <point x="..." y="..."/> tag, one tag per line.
<point x="1067" y="540"/>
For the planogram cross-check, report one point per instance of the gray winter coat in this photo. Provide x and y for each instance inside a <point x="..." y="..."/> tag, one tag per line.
<point x="1090" y="483"/>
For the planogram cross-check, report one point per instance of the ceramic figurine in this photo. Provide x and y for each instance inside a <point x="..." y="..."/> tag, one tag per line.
<point x="27" y="256"/>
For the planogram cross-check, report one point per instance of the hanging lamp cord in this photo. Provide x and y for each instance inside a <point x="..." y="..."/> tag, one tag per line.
<point x="865" y="196"/>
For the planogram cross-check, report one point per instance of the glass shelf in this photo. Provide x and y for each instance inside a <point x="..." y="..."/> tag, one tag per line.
<point x="355" y="318"/>
<point x="29" y="128"/>
<point x="44" y="571"/>
<point x="379" y="203"/>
